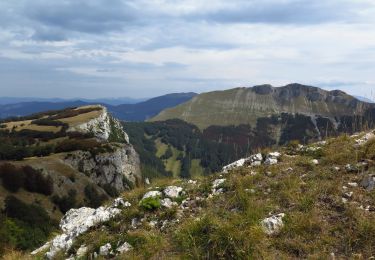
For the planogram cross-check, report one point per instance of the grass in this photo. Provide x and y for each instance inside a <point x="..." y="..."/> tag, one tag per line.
<point x="171" y="164"/>
<point x="81" y="118"/>
<point x="196" y="169"/>
<point x="317" y="223"/>
<point x="26" y="124"/>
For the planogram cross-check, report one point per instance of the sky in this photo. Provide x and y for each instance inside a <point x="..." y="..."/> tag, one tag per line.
<point x="145" y="48"/>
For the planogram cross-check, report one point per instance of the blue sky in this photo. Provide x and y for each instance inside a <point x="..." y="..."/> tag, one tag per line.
<point x="144" y="48"/>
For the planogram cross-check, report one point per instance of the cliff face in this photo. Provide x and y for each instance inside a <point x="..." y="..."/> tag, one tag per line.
<point x="119" y="167"/>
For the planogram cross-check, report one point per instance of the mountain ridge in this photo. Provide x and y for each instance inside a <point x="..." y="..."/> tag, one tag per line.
<point x="245" y="105"/>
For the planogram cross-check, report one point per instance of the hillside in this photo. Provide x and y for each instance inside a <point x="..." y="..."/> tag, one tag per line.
<point x="131" y="111"/>
<point x="300" y="202"/>
<point x="248" y="105"/>
<point x="57" y="160"/>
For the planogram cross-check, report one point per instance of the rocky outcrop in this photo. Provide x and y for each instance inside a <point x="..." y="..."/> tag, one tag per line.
<point x="253" y="160"/>
<point x="119" y="167"/>
<point x="78" y="221"/>
<point x="102" y="126"/>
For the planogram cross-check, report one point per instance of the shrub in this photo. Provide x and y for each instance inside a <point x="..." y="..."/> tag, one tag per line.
<point x="26" y="226"/>
<point x="36" y="182"/>
<point x="111" y="191"/>
<point x="94" y="199"/>
<point x="13" y="178"/>
<point x="65" y="202"/>
<point x="151" y="203"/>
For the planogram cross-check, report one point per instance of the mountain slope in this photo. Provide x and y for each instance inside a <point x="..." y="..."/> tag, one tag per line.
<point x="247" y="105"/>
<point x="147" y="109"/>
<point x="57" y="160"/>
<point x="303" y="202"/>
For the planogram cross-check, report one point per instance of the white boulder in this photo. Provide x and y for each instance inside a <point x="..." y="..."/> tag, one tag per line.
<point x="253" y="160"/>
<point x="105" y="250"/>
<point x="272" y="158"/>
<point x="234" y="165"/>
<point x="168" y="203"/>
<point x="216" y="183"/>
<point x="124" y="248"/>
<point x="273" y="224"/>
<point x="315" y="161"/>
<point x="172" y="192"/>
<point x="152" y="194"/>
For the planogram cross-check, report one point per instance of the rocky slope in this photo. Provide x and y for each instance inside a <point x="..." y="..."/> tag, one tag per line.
<point x="84" y="152"/>
<point x="299" y="202"/>
<point x="246" y="105"/>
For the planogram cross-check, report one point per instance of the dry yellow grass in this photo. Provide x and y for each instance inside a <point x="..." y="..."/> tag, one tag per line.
<point x="76" y="120"/>
<point x="26" y="124"/>
<point x="12" y="254"/>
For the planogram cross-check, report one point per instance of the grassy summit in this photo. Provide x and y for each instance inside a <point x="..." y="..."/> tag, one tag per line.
<point x="246" y="105"/>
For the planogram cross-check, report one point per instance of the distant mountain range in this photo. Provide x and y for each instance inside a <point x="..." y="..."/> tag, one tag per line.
<point x="126" y="110"/>
<point x="109" y="101"/>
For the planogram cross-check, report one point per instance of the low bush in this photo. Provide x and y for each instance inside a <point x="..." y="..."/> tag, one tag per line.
<point x="13" y="177"/>
<point x="26" y="226"/>
<point x="65" y="202"/>
<point x="94" y="199"/>
<point x="26" y="177"/>
<point x="151" y="203"/>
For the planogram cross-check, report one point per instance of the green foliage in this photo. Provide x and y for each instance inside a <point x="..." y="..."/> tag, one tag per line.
<point x="151" y="203"/>
<point x="185" y="167"/>
<point x="94" y="199"/>
<point x="26" y="226"/>
<point x="116" y="133"/>
<point x="168" y="153"/>
<point x="26" y="177"/>
<point x="209" y="238"/>
<point x="36" y="182"/>
<point x="65" y="202"/>
<point x="13" y="178"/>
<point x="111" y="191"/>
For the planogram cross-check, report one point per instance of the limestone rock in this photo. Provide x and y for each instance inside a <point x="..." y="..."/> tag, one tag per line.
<point x="216" y="186"/>
<point x="254" y="160"/>
<point x="105" y="250"/>
<point x="100" y="126"/>
<point x="172" y="192"/>
<point x="76" y="222"/>
<point x="152" y="194"/>
<point x="368" y="182"/>
<point x="125" y="247"/>
<point x="272" y="158"/>
<point x="273" y="224"/>
<point x="168" y="203"/>
<point x="116" y="167"/>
